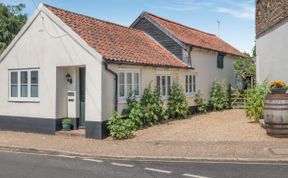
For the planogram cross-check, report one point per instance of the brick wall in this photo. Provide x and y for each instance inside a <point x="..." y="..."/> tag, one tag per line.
<point x="269" y="13"/>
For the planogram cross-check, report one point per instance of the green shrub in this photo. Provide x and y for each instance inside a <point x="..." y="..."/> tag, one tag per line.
<point x="219" y="96"/>
<point x="134" y="112"/>
<point x="152" y="106"/>
<point x="201" y="102"/>
<point x="177" y="103"/>
<point x="255" y="101"/>
<point x="120" y="128"/>
<point x="66" y="120"/>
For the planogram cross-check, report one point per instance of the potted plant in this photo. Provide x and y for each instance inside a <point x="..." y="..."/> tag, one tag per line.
<point x="66" y="124"/>
<point x="278" y="87"/>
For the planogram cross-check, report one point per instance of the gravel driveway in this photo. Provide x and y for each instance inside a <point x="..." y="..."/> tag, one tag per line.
<point x="230" y="125"/>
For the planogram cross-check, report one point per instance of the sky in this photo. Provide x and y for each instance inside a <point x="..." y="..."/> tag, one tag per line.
<point x="237" y="17"/>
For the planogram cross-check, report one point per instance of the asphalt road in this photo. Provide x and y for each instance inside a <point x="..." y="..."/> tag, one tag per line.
<point x="20" y="165"/>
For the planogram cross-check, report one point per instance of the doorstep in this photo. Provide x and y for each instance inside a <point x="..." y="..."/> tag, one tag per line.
<point x="72" y="133"/>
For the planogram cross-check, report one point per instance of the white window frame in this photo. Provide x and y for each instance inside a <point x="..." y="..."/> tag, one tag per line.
<point x="19" y="98"/>
<point x="191" y="85"/>
<point x="122" y="99"/>
<point x="166" y="85"/>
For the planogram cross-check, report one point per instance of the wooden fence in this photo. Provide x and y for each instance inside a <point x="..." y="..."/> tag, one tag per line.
<point x="236" y="98"/>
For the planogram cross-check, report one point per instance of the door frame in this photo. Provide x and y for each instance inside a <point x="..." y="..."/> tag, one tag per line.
<point x="82" y="96"/>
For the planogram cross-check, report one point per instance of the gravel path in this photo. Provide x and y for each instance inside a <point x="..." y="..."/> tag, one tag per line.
<point x="229" y="125"/>
<point x="226" y="134"/>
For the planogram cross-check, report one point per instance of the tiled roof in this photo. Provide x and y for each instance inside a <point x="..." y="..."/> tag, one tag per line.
<point x="117" y="43"/>
<point x="195" y="37"/>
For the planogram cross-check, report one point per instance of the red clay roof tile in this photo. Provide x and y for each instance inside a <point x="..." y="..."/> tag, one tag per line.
<point x="195" y="37"/>
<point x="117" y="43"/>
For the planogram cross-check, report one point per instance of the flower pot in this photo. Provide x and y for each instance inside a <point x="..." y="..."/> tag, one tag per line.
<point x="66" y="127"/>
<point x="278" y="91"/>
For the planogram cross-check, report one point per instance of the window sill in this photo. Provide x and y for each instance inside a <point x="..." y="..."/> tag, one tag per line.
<point x="190" y="94"/>
<point x="24" y="100"/>
<point x="124" y="100"/>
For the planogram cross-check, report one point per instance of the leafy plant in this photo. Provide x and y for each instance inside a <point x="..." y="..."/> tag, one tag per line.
<point x="177" y="103"/>
<point x="134" y="112"/>
<point x="255" y="101"/>
<point x="152" y="106"/>
<point x="219" y="96"/>
<point x="120" y="128"/>
<point x="201" y="102"/>
<point x="66" y="121"/>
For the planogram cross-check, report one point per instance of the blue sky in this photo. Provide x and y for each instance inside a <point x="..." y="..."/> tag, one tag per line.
<point x="236" y="16"/>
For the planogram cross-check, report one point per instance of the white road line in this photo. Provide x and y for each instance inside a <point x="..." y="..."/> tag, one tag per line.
<point x="66" y="156"/>
<point x="93" y="160"/>
<point x="123" y="165"/>
<point x="158" y="170"/>
<point x="194" y="176"/>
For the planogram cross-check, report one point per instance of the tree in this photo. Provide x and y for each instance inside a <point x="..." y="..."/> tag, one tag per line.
<point x="12" y="19"/>
<point x="245" y="68"/>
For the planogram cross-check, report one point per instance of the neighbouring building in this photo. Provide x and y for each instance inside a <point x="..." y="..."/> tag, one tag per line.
<point x="272" y="39"/>
<point x="63" y="64"/>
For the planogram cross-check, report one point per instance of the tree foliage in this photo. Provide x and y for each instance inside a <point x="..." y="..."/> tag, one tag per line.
<point x="12" y="19"/>
<point x="245" y="68"/>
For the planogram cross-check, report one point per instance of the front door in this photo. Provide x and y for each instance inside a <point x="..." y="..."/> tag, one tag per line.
<point x="82" y="77"/>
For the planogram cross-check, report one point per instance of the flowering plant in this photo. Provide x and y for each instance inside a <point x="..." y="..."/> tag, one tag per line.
<point x="278" y="84"/>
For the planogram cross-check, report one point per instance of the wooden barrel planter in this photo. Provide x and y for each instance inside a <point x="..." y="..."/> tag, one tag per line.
<point x="276" y="115"/>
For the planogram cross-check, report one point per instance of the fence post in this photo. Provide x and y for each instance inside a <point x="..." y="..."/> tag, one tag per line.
<point x="229" y="91"/>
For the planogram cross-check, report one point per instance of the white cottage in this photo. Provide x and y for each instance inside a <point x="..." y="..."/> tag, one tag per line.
<point x="64" y="64"/>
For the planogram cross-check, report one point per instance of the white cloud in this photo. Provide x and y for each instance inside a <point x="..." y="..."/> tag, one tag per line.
<point x="243" y="9"/>
<point x="186" y="5"/>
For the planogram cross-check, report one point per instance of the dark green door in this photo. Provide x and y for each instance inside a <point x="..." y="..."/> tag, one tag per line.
<point x="82" y="77"/>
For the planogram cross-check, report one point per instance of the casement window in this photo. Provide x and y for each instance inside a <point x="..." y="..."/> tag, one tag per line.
<point x="190" y="84"/>
<point x="164" y="84"/>
<point x="24" y="85"/>
<point x="220" y="61"/>
<point x="128" y="82"/>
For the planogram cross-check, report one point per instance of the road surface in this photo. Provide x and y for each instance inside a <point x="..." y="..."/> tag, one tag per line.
<point x="23" y="165"/>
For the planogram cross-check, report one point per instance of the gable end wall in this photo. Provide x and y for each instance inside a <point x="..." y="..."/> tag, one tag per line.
<point x="160" y="37"/>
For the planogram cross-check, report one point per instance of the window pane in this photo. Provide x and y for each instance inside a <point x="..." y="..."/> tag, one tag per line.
<point x="194" y="83"/>
<point x="121" y="78"/>
<point x="34" y="77"/>
<point x="14" y="77"/>
<point x="158" y="81"/>
<point x="190" y="83"/>
<point x="168" y="83"/>
<point x="14" y="90"/>
<point x="24" y="86"/>
<point x="136" y="83"/>
<point x="24" y="90"/>
<point x="129" y="78"/>
<point x="34" y="91"/>
<point x="163" y="85"/>
<point x="186" y="84"/>
<point x="24" y="77"/>
<point x="121" y="84"/>
<point x="121" y="91"/>
<point x="129" y="83"/>
<point x="220" y="61"/>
